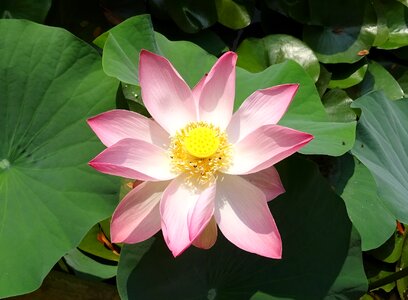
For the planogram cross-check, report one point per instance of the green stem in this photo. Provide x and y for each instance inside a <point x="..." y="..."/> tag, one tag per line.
<point x="391" y="278"/>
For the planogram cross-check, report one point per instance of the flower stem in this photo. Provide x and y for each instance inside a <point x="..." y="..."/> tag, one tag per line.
<point x="391" y="278"/>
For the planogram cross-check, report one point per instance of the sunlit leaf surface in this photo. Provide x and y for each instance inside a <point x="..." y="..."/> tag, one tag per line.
<point x="49" y="196"/>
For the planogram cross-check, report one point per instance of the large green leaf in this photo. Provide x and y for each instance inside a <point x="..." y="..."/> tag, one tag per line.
<point x="337" y="105"/>
<point x="340" y="31"/>
<point x="316" y="234"/>
<point x="297" y="10"/>
<point x="395" y="19"/>
<point x="400" y="73"/>
<point x="129" y="258"/>
<point x="357" y="187"/>
<point x="208" y="40"/>
<point x="262" y="296"/>
<point x="255" y="55"/>
<point x="350" y="282"/>
<point x="382" y="30"/>
<point x="405" y="2"/>
<point x="233" y="14"/>
<point x="136" y="34"/>
<point x="402" y="284"/>
<point x="337" y="12"/>
<point x="190" y="16"/>
<point x="123" y="43"/>
<point x="324" y="79"/>
<point x="87" y="267"/>
<point x="382" y="146"/>
<point x="346" y="75"/>
<point x="377" y="78"/>
<point x="25" y="9"/>
<point x="339" y="45"/>
<point x="50" y="82"/>
<point x="189" y="59"/>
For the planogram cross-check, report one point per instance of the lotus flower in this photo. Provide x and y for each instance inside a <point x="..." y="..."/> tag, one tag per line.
<point x="201" y="165"/>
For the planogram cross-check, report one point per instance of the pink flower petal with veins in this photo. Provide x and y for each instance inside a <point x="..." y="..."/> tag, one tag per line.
<point x="201" y="213"/>
<point x="208" y="236"/>
<point x="263" y="107"/>
<point x="243" y="217"/>
<point x="265" y="147"/>
<point x="217" y="92"/>
<point x="179" y="202"/>
<point x="165" y="94"/>
<point x="198" y="88"/>
<point x="137" y="216"/>
<point x="268" y="181"/>
<point x="115" y="125"/>
<point x="134" y="159"/>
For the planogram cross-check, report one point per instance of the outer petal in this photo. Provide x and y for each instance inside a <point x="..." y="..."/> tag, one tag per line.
<point x="180" y="206"/>
<point x="216" y="100"/>
<point x="116" y="125"/>
<point x="134" y="159"/>
<point x="244" y="218"/>
<point x="199" y="87"/>
<point x="201" y="213"/>
<point x="165" y="94"/>
<point x="268" y="181"/>
<point x="265" y="147"/>
<point x="137" y="216"/>
<point x="208" y="236"/>
<point x="263" y="107"/>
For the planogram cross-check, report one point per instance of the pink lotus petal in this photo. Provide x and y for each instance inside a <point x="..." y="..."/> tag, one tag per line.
<point x="268" y="181"/>
<point x="134" y="159"/>
<point x="264" y="147"/>
<point x="137" y="216"/>
<point x="178" y="204"/>
<point x="208" y="236"/>
<point x="216" y="100"/>
<point x="198" y="88"/>
<point x="201" y="213"/>
<point x="243" y="216"/>
<point x="263" y="107"/>
<point x="115" y="125"/>
<point x="165" y="94"/>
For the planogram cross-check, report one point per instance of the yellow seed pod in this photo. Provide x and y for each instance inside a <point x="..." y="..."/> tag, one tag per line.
<point x="202" y="142"/>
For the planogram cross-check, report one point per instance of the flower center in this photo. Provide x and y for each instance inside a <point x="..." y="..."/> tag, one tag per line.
<point x="202" y="142"/>
<point x="200" y="150"/>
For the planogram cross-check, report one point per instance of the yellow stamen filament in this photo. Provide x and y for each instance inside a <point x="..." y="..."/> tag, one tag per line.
<point x="200" y="150"/>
